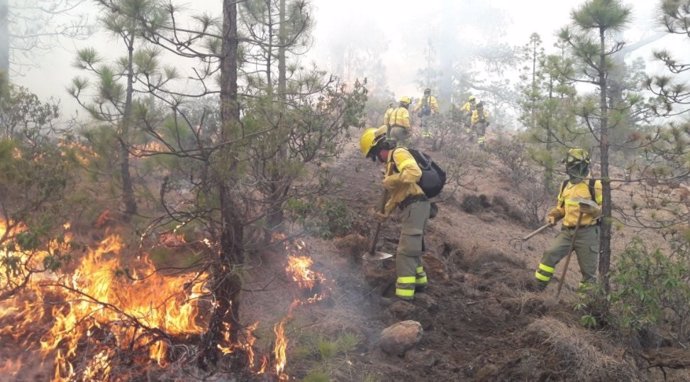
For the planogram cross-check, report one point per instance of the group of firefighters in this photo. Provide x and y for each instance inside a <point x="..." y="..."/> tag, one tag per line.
<point x="578" y="203"/>
<point x="472" y="114"/>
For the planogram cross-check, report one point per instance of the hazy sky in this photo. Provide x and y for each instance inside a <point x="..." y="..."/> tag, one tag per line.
<point x="525" y="17"/>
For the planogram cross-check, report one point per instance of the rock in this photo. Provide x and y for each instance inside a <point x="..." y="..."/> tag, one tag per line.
<point x="400" y="337"/>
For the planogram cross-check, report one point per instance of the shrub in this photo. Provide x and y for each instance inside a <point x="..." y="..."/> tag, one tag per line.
<point x="326" y="218"/>
<point x="651" y="289"/>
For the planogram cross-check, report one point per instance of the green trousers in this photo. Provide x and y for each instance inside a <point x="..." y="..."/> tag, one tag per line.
<point x="586" y="247"/>
<point x="408" y="262"/>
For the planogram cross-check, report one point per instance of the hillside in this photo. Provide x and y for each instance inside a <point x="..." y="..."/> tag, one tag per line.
<point x="481" y="322"/>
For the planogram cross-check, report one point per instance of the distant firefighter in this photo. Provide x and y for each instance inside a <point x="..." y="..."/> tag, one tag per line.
<point x="398" y="121"/>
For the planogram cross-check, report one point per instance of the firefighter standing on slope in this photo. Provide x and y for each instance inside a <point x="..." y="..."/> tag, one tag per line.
<point x="467" y="109"/>
<point x="400" y="181"/>
<point x="425" y="108"/>
<point x="586" y="241"/>
<point x="398" y="121"/>
<point x="479" y="122"/>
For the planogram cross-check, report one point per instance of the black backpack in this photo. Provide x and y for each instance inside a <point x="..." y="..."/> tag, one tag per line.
<point x="433" y="177"/>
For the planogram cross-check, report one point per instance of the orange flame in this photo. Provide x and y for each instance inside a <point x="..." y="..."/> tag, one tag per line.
<point x="299" y="269"/>
<point x="136" y="308"/>
<point x="281" y="349"/>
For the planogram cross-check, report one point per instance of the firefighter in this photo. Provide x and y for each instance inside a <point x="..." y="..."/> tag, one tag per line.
<point x="467" y="109"/>
<point x="479" y="122"/>
<point x="425" y="108"/>
<point x="400" y="181"/>
<point x="568" y="208"/>
<point x="398" y="121"/>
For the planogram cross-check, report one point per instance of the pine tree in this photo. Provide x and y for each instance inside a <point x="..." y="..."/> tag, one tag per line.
<point x="114" y="97"/>
<point x="592" y="24"/>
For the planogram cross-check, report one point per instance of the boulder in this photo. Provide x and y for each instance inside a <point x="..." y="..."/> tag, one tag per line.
<point x="400" y="337"/>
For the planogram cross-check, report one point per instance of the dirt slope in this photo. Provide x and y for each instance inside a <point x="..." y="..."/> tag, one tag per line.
<point x="481" y="322"/>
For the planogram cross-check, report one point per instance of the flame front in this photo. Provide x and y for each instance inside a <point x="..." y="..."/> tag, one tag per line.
<point x="107" y="305"/>
<point x="113" y="307"/>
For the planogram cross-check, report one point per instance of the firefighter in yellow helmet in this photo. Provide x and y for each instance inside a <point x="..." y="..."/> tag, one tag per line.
<point x="400" y="181"/>
<point x="425" y="108"/>
<point x="479" y="122"/>
<point x="398" y="121"/>
<point x="579" y="205"/>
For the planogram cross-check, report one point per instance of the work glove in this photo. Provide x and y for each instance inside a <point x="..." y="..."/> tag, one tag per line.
<point x="378" y="215"/>
<point x="590" y="210"/>
<point x="554" y="215"/>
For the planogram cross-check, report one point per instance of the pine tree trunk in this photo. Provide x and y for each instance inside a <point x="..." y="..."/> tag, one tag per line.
<point x="225" y="282"/>
<point x="127" y="187"/>
<point x="605" y="234"/>
<point x="275" y="214"/>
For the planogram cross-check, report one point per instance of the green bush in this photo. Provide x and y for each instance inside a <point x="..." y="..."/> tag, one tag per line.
<point x="651" y="289"/>
<point x="327" y="219"/>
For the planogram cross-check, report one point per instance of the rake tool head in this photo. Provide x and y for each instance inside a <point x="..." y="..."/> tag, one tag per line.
<point x="376" y="256"/>
<point x="516" y="243"/>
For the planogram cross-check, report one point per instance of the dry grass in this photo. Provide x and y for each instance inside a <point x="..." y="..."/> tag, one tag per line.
<point x="574" y="352"/>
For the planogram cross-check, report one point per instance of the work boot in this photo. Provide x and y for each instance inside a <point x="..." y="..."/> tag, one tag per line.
<point x="536" y="285"/>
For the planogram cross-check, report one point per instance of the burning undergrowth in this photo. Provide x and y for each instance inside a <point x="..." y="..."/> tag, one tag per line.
<point x="96" y="314"/>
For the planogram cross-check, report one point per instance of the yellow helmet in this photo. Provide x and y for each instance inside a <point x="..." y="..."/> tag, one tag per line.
<point x="370" y="138"/>
<point x="472" y="98"/>
<point x="577" y="155"/>
<point x="405" y="100"/>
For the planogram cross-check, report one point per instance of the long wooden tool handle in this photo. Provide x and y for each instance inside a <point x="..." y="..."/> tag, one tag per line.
<point x="545" y="226"/>
<point x="382" y="209"/>
<point x="567" y="259"/>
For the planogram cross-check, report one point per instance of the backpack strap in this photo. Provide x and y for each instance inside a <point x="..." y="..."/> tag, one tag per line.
<point x="591" y="190"/>
<point x="561" y="202"/>
<point x="592" y="194"/>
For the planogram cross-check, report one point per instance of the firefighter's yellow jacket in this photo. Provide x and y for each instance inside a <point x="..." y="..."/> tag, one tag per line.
<point x="477" y="116"/>
<point x="468" y="107"/>
<point x="399" y="117"/>
<point x="402" y="175"/>
<point x="570" y="208"/>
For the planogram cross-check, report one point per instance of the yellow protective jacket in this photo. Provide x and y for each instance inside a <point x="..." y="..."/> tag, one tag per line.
<point x="402" y="175"/>
<point x="570" y="208"/>
<point x="476" y="116"/>
<point x="429" y="101"/>
<point x="399" y="116"/>
<point x="468" y="107"/>
<point x="387" y="114"/>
